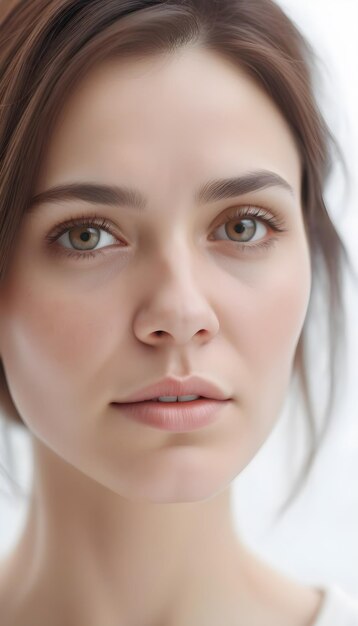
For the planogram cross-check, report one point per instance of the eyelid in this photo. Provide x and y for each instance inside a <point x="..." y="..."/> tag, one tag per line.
<point x="86" y="220"/>
<point x="258" y="214"/>
<point x="264" y="216"/>
<point x="80" y="220"/>
<point x="94" y="220"/>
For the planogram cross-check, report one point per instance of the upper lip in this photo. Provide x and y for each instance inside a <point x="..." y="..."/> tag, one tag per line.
<point x="171" y="386"/>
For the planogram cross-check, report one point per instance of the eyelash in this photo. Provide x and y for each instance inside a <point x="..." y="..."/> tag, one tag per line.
<point x="102" y="223"/>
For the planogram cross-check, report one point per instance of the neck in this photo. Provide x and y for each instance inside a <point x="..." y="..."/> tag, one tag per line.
<point x="102" y="552"/>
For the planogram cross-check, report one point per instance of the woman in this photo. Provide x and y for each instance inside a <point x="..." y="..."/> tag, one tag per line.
<point x="162" y="225"/>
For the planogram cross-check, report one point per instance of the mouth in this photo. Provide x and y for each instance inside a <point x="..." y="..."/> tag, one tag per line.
<point x="171" y="388"/>
<point x="174" y="416"/>
<point x="171" y="400"/>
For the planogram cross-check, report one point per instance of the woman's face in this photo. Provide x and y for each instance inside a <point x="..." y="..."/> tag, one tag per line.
<point x="229" y="291"/>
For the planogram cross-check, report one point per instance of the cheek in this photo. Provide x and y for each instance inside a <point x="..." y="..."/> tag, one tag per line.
<point x="60" y="333"/>
<point x="56" y="345"/>
<point x="266" y="320"/>
<point x="270" y="314"/>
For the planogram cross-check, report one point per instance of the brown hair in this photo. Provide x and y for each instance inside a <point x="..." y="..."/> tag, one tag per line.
<point x="46" y="45"/>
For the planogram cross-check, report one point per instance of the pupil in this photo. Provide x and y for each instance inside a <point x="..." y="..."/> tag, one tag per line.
<point x="85" y="236"/>
<point x="240" y="228"/>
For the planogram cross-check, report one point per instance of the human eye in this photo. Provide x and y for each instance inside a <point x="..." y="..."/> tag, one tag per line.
<point x="246" y="227"/>
<point x="85" y="236"/>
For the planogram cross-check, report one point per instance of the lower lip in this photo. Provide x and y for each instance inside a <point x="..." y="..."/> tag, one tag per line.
<point x="175" y="416"/>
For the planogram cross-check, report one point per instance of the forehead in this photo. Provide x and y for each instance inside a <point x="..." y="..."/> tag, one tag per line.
<point x="182" y="111"/>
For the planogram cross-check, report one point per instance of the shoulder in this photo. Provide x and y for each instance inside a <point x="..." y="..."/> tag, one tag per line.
<point x="5" y="591"/>
<point x="338" y="607"/>
<point x="12" y="588"/>
<point x="8" y="591"/>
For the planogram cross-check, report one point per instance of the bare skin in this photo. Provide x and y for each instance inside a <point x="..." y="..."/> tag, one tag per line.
<point x="129" y="524"/>
<point x="227" y="584"/>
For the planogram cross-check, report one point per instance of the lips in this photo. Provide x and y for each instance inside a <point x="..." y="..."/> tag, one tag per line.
<point x="174" y="417"/>
<point x="171" y="386"/>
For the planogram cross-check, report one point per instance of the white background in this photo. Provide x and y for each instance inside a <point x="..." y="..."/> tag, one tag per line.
<point x="317" y="541"/>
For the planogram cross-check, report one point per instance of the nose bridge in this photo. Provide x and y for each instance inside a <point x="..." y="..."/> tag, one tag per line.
<point x="175" y="263"/>
<point x="174" y="299"/>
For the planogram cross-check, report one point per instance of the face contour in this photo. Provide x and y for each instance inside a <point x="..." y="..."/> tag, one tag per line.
<point x="229" y="291"/>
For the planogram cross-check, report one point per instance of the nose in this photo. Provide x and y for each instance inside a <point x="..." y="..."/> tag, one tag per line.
<point x="175" y="310"/>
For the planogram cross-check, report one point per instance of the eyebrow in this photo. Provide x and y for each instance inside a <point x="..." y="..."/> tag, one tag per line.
<point x="214" y="190"/>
